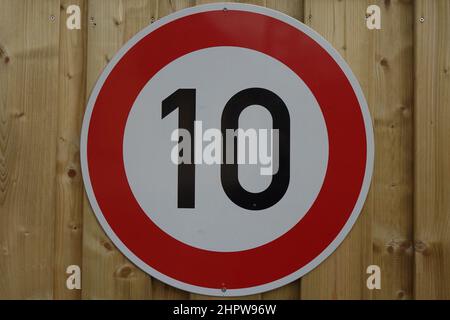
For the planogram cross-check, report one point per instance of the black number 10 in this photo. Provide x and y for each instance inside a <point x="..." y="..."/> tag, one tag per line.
<point x="185" y="101"/>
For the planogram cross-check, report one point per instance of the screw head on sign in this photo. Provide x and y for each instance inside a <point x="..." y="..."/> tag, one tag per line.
<point x="52" y="18"/>
<point x="422" y="19"/>
<point x="224" y="288"/>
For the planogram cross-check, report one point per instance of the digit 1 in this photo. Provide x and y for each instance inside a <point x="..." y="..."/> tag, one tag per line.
<point x="229" y="172"/>
<point x="184" y="100"/>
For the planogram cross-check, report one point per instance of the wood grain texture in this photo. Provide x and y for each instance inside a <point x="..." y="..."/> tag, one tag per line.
<point x="432" y="149"/>
<point x="160" y="289"/>
<point x="382" y="62"/>
<point x="29" y="44"/>
<point x="166" y="7"/>
<point x="69" y="184"/>
<point x="391" y="104"/>
<point x="250" y="297"/>
<point x="107" y="274"/>
<point x="293" y="8"/>
<point x="48" y="71"/>
<point x="342" y="274"/>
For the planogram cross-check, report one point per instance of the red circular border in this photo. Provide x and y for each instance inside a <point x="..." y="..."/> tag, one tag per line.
<point x="346" y="164"/>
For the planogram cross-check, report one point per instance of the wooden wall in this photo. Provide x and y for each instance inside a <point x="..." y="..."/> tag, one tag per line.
<point x="48" y="71"/>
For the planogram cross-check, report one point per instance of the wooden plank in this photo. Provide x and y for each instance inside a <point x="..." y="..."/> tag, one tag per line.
<point x="391" y="105"/>
<point x="290" y="291"/>
<point x="432" y="150"/>
<point x="256" y="2"/>
<point x="160" y="289"/>
<point x="166" y="7"/>
<point x="107" y="274"/>
<point x="293" y="8"/>
<point x="69" y="190"/>
<point x="382" y="62"/>
<point x="29" y="35"/>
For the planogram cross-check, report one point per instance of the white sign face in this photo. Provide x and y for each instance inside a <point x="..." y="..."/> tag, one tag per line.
<point x="233" y="159"/>
<point x="216" y="223"/>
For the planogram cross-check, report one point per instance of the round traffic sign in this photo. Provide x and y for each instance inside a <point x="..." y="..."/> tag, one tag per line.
<point x="227" y="149"/>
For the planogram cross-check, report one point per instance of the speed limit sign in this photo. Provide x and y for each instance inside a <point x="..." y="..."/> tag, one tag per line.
<point x="227" y="149"/>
